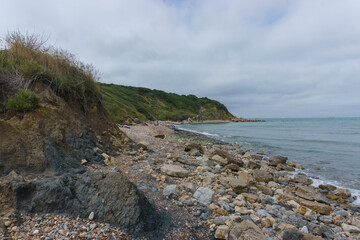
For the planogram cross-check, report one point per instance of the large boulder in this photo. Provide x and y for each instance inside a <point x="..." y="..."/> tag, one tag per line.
<point x="237" y="185"/>
<point x="302" y="178"/>
<point x="174" y="171"/>
<point x="230" y="158"/>
<point x="340" y="194"/>
<point x="111" y="197"/>
<point x="246" y="230"/>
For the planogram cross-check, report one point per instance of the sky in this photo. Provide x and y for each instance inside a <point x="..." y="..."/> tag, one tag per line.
<point x="269" y="58"/>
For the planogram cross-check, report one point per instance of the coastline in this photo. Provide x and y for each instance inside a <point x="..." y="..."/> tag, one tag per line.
<point x="252" y="187"/>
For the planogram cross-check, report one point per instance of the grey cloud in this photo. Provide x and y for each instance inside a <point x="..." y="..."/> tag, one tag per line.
<point x="271" y="58"/>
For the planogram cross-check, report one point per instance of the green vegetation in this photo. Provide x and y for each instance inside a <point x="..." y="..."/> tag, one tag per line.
<point x="124" y="102"/>
<point x="25" y="60"/>
<point x="24" y="101"/>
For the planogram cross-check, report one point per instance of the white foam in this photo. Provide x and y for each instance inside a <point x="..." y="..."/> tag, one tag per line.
<point x="204" y="133"/>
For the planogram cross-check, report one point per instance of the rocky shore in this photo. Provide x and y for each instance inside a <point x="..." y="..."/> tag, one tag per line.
<point x="199" y="189"/>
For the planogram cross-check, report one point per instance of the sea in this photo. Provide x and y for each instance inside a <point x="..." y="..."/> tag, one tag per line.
<point x="328" y="148"/>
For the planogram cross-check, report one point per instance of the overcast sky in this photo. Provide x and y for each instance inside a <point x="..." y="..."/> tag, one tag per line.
<point x="268" y="58"/>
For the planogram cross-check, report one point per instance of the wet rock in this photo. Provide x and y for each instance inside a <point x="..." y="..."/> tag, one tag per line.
<point x="262" y="176"/>
<point x="339" y="194"/>
<point x="302" y="178"/>
<point x="275" y="160"/>
<point x="246" y="230"/>
<point x="327" y="187"/>
<point x="237" y="185"/>
<point x="204" y="195"/>
<point x="222" y="232"/>
<point x="174" y="171"/>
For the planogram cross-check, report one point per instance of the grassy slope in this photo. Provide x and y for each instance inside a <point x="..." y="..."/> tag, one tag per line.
<point x="123" y="102"/>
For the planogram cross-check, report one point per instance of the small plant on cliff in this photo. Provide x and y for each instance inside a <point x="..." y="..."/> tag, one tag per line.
<point x="23" y="101"/>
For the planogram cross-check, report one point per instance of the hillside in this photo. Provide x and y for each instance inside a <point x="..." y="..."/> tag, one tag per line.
<point x="123" y="102"/>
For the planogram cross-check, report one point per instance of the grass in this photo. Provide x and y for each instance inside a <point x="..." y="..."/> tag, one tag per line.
<point x="26" y="59"/>
<point x="124" y="102"/>
<point x="24" y="100"/>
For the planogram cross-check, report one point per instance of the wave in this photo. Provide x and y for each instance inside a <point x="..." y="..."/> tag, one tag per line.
<point x="198" y="132"/>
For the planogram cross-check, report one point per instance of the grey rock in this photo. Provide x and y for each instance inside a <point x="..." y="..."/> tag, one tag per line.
<point x="342" y="213"/>
<point x="169" y="191"/>
<point x="292" y="234"/>
<point x="268" y="200"/>
<point x="204" y="195"/>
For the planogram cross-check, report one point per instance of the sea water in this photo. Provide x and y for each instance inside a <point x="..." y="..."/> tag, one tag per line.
<point x="328" y="148"/>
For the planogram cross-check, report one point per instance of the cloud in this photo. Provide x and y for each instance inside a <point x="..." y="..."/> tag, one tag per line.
<point x="271" y="58"/>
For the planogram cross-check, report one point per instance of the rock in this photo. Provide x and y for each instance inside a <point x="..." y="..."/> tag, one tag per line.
<point x="91" y="216"/>
<point x="204" y="195"/>
<point x="356" y="222"/>
<point x="192" y="146"/>
<point x="293" y="204"/>
<point x="262" y="176"/>
<point x="245" y="177"/>
<point x="246" y="230"/>
<point x="342" y="213"/>
<point x="7" y="223"/>
<point x="309" y="193"/>
<point x="292" y="234"/>
<point x="302" y="178"/>
<point x="318" y="207"/>
<point x="14" y="229"/>
<point x="169" y="191"/>
<point x="327" y="187"/>
<point x="250" y="197"/>
<point x="195" y="153"/>
<point x="243" y="210"/>
<point x="350" y="228"/>
<point x="275" y="160"/>
<point x="35" y="232"/>
<point x="190" y="162"/>
<point x="220" y="160"/>
<point x="78" y="195"/>
<point x="187" y="187"/>
<point x="161" y="136"/>
<point x="222" y="232"/>
<point x="174" y="171"/>
<point x="268" y="222"/>
<point x="291" y="164"/>
<point x="232" y="167"/>
<point x="221" y="212"/>
<point x="230" y="158"/>
<point x="308" y="236"/>
<point x="339" y="194"/>
<point x="237" y="185"/>
<point x="83" y="161"/>
<point x="268" y="200"/>
<point x="142" y="144"/>
<point x="304" y="229"/>
<point x="267" y="168"/>
<point x="253" y="165"/>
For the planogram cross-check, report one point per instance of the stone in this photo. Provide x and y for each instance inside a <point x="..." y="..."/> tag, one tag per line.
<point x="232" y="167"/>
<point x="222" y="232"/>
<point x="169" y="191"/>
<point x="293" y="204"/>
<point x="253" y="164"/>
<point x="237" y="185"/>
<point x="302" y="178"/>
<point x="292" y="234"/>
<point x="268" y="222"/>
<point x="262" y="176"/>
<point x="267" y="168"/>
<point x="35" y="232"/>
<point x="245" y="177"/>
<point x="268" y="200"/>
<point x="291" y="164"/>
<point x="327" y="187"/>
<point x="187" y="187"/>
<point x="308" y="193"/>
<point x="275" y="160"/>
<point x="317" y="207"/>
<point x="91" y="216"/>
<point x="220" y="160"/>
<point x="83" y="161"/>
<point x="192" y="146"/>
<point x="252" y="198"/>
<point x="161" y="136"/>
<point x="350" y="228"/>
<point x="204" y="195"/>
<point x="221" y="212"/>
<point x="174" y="171"/>
<point x="356" y="222"/>
<point x="243" y="210"/>
<point x="342" y="213"/>
<point x="246" y="230"/>
<point x="142" y="144"/>
<point x="7" y="223"/>
<point x="304" y="229"/>
<point x="339" y="194"/>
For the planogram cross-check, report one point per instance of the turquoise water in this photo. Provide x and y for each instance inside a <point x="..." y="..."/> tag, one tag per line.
<point x="329" y="148"/>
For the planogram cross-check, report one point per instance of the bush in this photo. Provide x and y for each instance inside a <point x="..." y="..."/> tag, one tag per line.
<point x="23" y="101"/>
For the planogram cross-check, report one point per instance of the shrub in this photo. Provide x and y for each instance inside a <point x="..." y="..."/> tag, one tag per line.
<point x="23" y="101"/>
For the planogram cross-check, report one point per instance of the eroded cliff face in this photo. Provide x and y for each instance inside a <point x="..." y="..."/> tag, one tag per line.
<point x="41" y="170"/>
<point x="56" y="137"/>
